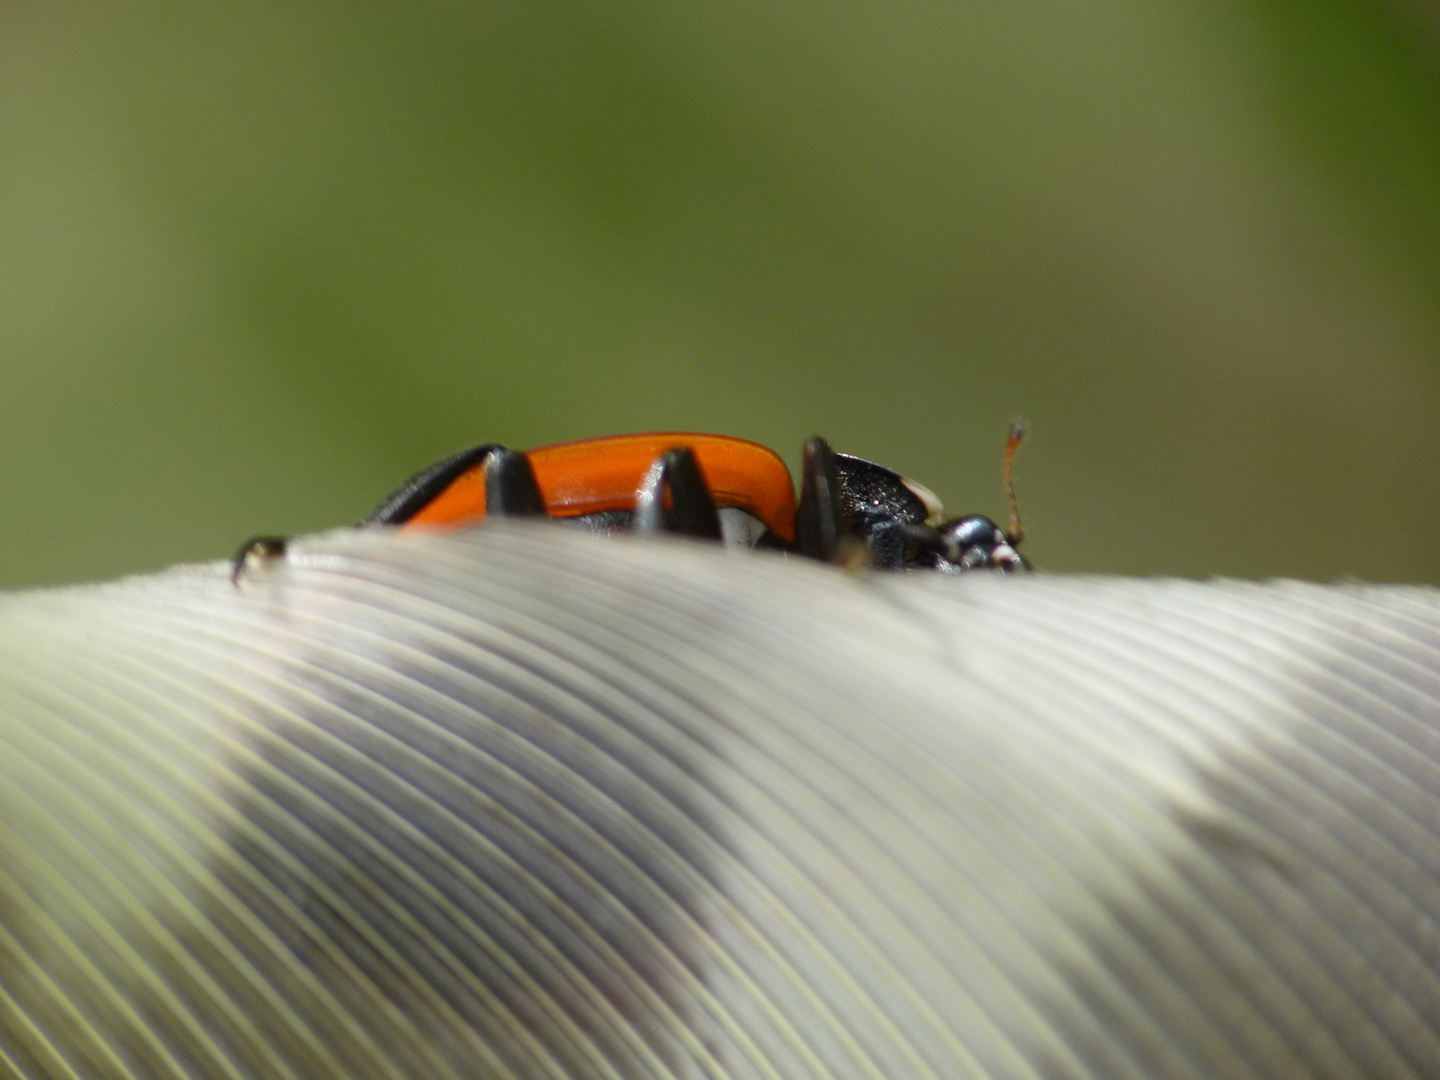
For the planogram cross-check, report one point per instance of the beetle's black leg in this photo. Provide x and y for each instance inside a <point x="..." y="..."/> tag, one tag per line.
<point x="417" y="493"/>
<point x="928" y="540"/>
<point x="692" y="509"/>
<point x="817" y="519"/>
<point x="257" y="549"/>
<point x="649" y="509"/>
<point x="690" y="500"/>
<point x="510" y="487"/>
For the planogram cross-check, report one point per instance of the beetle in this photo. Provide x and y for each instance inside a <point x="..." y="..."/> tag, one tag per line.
<point x="711" y="487"/>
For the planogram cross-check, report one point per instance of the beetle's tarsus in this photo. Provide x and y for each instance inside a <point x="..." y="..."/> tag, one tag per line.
<point x="256" y="550"/>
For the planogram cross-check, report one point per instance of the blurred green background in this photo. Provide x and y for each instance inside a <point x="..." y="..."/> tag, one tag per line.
<point x="258" y="262"/>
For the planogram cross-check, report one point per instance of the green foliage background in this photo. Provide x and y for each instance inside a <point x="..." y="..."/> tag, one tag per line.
<point x="258" y="262"/>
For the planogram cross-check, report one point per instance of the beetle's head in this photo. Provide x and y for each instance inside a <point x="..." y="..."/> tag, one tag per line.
<point x="976" y="543"/>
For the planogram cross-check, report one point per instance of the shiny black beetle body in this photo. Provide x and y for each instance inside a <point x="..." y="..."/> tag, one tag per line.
<point x="899" y="523"/>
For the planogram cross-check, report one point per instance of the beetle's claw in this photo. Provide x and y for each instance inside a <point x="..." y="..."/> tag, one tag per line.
<point x="255" y="552"/>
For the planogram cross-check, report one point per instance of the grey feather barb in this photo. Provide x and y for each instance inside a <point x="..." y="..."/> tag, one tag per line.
<point x="521" y="802"/>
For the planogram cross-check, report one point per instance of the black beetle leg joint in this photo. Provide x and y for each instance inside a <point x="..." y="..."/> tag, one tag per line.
<point x="692" y="507"/>
<point x="928" y="540"/>
<point x="818" y="522"/>
<point x="510" y="486"/>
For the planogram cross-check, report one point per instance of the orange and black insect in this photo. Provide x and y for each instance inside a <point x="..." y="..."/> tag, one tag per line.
<point x="706" y="486"/>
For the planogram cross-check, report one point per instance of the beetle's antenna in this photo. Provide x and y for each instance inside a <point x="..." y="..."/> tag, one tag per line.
<point x="1014" y="531"/>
